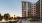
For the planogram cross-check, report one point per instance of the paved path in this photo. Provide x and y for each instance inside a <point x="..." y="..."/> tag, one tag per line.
<point x="26" y="21"/>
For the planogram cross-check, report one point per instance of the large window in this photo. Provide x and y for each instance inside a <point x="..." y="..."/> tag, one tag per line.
<point x="25" y="13"/>
<point x="25" y="5"/>
<point x="29" y="5"/>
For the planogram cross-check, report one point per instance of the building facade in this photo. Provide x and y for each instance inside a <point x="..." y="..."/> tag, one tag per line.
<point x="26" y="9"/>
<point x="33" y="9"/>
<point x="39" y="9"/>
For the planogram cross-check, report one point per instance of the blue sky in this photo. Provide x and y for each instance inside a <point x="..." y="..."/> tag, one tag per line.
<point x="13" y="7"/>
<point x="33" y="1"/>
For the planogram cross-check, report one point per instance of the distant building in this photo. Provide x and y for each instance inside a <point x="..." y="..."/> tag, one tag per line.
<point x="26" y="9"/>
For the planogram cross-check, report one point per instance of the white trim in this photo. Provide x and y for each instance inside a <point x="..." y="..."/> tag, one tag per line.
<point x="40" y="9"/>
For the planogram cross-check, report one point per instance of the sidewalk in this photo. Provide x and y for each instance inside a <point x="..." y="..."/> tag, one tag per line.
<point x="27" y="21"/>
<point x="23" y="21"/>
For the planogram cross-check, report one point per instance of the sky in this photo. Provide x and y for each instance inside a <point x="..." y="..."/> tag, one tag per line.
<point x="33" y="1"/>
<point x="13" y="7"/>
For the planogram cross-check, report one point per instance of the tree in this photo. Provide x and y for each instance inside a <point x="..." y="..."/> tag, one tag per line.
<point x="0" y="17"/>
<point x="7" y="16"/>
<point x="14" y="17"/>
<point x="18" y="17"/>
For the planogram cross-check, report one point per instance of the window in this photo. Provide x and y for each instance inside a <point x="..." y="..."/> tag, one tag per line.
<point x="34" y="6"/>
<point x="25" y="12"/>
<point x="25" y="5"/>
<point x="34" y="10"/>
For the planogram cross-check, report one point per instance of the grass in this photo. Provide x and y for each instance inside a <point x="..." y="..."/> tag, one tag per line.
<point x="34" y="19"/>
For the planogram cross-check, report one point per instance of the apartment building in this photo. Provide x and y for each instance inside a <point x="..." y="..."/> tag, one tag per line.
<point x="39" y="8"/>
<point x="26" y="9"/>
<point x="33" y="9"/>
